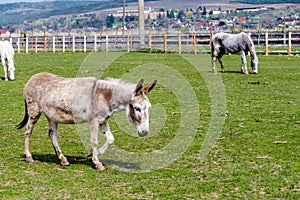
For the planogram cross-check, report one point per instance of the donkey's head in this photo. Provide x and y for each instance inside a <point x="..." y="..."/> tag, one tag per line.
<point x="138" y="108"/>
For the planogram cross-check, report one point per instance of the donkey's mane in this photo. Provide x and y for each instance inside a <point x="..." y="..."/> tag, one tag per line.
<point x="118" y="85"/>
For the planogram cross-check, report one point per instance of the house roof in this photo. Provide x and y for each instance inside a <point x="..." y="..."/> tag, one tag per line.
<point x="2" y="32"/>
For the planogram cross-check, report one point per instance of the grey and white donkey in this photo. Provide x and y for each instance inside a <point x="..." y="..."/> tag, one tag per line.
<point x="223" y="43"/>
<point x="78" y="100"/>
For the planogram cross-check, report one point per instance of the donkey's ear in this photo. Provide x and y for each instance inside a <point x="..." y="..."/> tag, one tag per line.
<point x="139" y="86"/>
<point x="149" y="87"/>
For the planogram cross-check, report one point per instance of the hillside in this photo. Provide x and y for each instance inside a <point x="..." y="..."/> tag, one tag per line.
<point x="17" y="13"/>
<point x="65" y="15"/>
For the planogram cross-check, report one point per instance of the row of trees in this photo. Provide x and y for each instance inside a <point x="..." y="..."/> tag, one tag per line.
<point x="170" y="14"/>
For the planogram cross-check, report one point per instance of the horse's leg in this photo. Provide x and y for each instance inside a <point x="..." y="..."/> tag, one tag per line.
<point x="109" y="138"/>
<point x="53" y="136"/>
<point x="11" y="69"/>
<point x="5" y="68"/>
<point x="94" y="128"/>
<point x="244" y="63"/>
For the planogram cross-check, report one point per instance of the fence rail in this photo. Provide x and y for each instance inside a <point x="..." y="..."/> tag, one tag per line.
<point x="265" y="42"/>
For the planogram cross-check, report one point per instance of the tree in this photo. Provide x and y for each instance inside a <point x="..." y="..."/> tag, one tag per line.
<point x="204" y="13"/>
<point x="180" y="15"/>
<point x="110" y="20"/>
<point x="172" y="14"/>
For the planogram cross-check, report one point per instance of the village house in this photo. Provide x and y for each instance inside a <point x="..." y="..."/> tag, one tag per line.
<point x="4" y="33"/>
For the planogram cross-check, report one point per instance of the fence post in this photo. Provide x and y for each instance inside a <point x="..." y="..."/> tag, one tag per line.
<point x="95" y="43"/>
<point x="106" y="43"/>
<point x="195" y="43"/>
<point x="26" y="45"/>
<point x="84" y="43"/>
<point x="165" y="42"/>
<point x="73" y="41"/>
<point x="36" y="44"/>
<point x="45" y="41"/>
<point x="53" y="41"/>
<point x="150" y="42"/>
<point x="179" y="43"/>
<point x="267" y="44"/>
<point x="128" y="43"/>
<point x="64" y="43"/>
<point x="19" y="45"/>
<point x="290" y="44"/>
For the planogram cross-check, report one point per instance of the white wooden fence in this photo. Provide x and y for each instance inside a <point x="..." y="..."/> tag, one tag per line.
<point x="266" y="42"/>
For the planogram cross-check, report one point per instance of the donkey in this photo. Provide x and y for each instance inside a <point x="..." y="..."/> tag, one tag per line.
<point x="7" y="54"/>
<point x="232" y="43"/>
<point x="78" y="100"/>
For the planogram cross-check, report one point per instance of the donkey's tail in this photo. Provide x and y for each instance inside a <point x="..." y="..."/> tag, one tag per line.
<point x="25" y="119"/>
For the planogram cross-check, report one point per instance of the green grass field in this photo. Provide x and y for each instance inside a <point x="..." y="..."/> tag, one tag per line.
<point x="250" y="124"/>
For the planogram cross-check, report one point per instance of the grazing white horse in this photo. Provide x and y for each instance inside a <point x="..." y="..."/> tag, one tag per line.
<point x="232" y="43"/>
<point x="78" y="100"/>
<point x="7" y="54"/>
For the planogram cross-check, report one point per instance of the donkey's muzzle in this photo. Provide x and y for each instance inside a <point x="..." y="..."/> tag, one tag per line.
<point x="143" y="133"/>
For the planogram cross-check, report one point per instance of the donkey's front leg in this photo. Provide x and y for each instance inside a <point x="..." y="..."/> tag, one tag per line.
<point x="109" y="137"/>
<point x="94" y="128"/>
<point x="53" y="135"/>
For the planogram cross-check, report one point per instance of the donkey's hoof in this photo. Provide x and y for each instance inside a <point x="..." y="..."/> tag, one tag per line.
<point x="100" y="167"/>
<point x="64" y="162"/>
<point x="29" y="159"/>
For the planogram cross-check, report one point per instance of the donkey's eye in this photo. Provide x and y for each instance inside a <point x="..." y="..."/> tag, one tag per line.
<point x="137" y="109"/>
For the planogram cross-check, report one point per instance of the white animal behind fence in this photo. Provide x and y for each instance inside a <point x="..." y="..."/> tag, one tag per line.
<point x="7" y="55"/>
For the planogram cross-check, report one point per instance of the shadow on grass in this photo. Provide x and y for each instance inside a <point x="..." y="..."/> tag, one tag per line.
<point x="52" y="158"/>
<point x="232" y="72"/>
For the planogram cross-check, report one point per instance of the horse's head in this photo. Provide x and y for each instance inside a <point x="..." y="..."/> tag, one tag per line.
<point x="138" y="109"/>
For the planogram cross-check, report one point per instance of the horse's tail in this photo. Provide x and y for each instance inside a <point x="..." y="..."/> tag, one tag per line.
<point x="25" y="119"/>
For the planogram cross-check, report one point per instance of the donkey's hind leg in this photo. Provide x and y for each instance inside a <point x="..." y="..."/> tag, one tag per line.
<point x="219" y="57"/>
<point x="28" y="130"/>
<point x="53" y="136"/>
